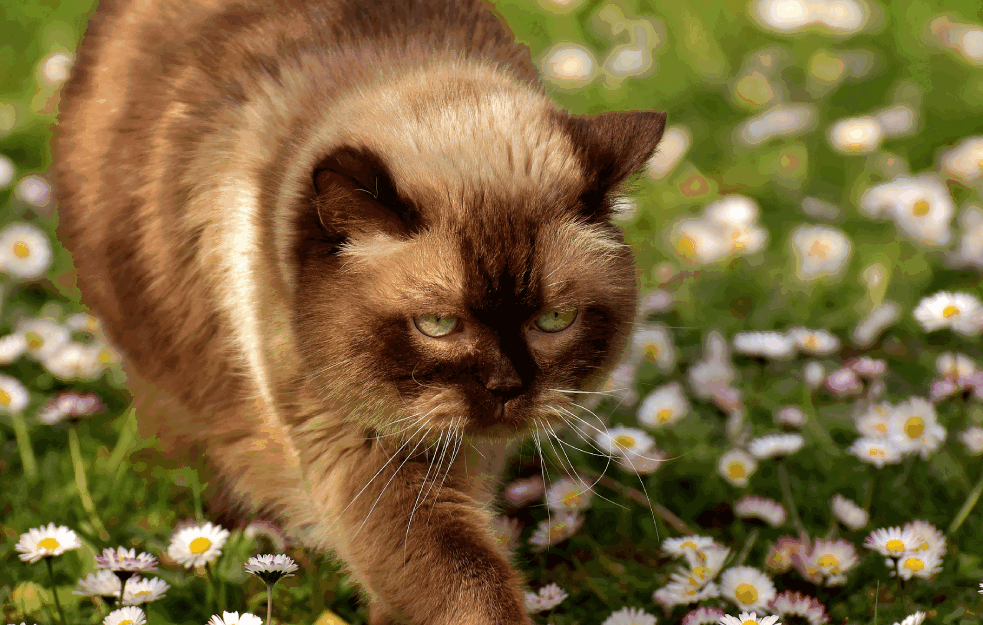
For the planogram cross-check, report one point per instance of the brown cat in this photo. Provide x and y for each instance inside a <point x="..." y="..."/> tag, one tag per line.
<point x="338" y="240"/>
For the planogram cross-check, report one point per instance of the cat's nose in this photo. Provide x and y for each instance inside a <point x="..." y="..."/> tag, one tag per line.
<point x="503" y="384"/>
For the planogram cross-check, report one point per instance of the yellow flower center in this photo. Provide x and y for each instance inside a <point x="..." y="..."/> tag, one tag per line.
<point x="950" y="311"/>
<point x="625" y="440"/>
<point x="914" y="564"/>
<point x="572" y="499"/>
<point x="698" y="574"/>
<point x="48" y="544"/>
<point x="894" y="545"/>
<point x="127" y="622"/>
<point x="829" y="562"/>
<point x="820" y="249"/>
<point x="750" y="622"/>
<point x="199" y="545"/>
<point x="914" y="427"/>
<point x="34" y="340"/>
<point x="22" y="250"/>
<point x="881" y="427"/>
<point x="920" y="209"/>
<point x="4" y="398"/>
<point x="689" y="544"/>
<point x="105" y="357"/>
<point x="876" y="452"/>
<point x="141" y="593"/>
<point x="557" y="529"/>
<point x="664" y="415"/>
<point x="812" y="342"/>
<point x="746" y="594"/>
<point x="652" y="350"/>
<point x="736" y="470"/>
<point x="686" y="246"/>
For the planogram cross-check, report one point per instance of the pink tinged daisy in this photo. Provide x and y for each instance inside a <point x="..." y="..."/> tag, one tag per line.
<point x="125" y="616"/>
<point x="790" y="416"/>
<point x="960" y="312"/>
<point x="102" y="583"/>
<point x="556" y="529"/>
<point x="775" y="446"/>
<point x="521" y="493"/>
<point x="569" y="495"/>
<point x="688" y="545"/>
<point x="70" y="405"/>
<point x="933" y="537"/>
<point x="875" y="323"/>
<point x="507" y="531"/>
<point x="630" y="616"/>
<point x="126" y="561"/>
<point x="916" y="428"/>
<point x="271" y="568"/>
<point x="876" y="421"/>
<point x="140" y="591"/>
<point x="736" y="466"/>
<point x="972" y="438"/>
<point x="663" y="406"/>
<point x="893" y="542"/>
<point x="46" y="542"/>
<point x="795" y="604"/>
<point x="781" y="555"/>
<point x="849" y="513"/>
<point x="747" y="587"/>
<point x="844" y="381"/>
<point x="715" y="371"/>
<point x="703" y="616"/>
<point x="830" y="560"/>
<point x="816" y="342"/>
<point x="913" y="619"/>
<point x="767" y="510"/>
<point x="877" y="452"/>
<point x="867" y="367"/>
<point x="549" y="597"/>
<point x="774" y="345"/>
<point x="748" y="618"/>
<point x="234" y="618"/>
<point x="639" y="464"/>
<point x="620" y="384"/>
<point x="954" y="366"/>
<point x="922" y="564"/>
<point x="197" y="545"/>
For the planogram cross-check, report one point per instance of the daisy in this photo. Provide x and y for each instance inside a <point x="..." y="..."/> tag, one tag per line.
<point x="677" y="140"/>
<point x="569" y="495"/>
<point x="549" y="597"/>
<point x="126" y="561"/>
<point x="655" y="302"/>
<point x="867" y="367"/>
<point x="46" y="542"/>
<point x="913" y="619"/>
<point x="620" y="439"/>
<point x="819" y="251"/>
<point x="234" y="618"/>
<point x="620" y="384"/>
<point x="12" y="347"/>
<point x="781" y="555"/>
<point x="896" y="120"/>
<point x="972" y="438"/>
<point x="703" y="616"/>
<point x="555" y="530"/>
<point x="779" y="121"/>
<point x="876" y="421"/>
<point x="857" y="135"/>
<point x="663" y="406"/>
<point x="271" y="568"/>
<point x="816" y="342"/>
<point x="680" y="592"/>
<point x="197" y="545"/>
<point x="795" y="604"/>
<point x="970" y="250"/>
<point x="44" y="338"/>
<point x="874" y="324"/>
<point x="957" y="311"/>
<point x="653" y="342"/>
<point x="791" y="416"/>
<point x="747" y="587"/>
<point x="14" y="396"/>
<point x="737" y="466"/>
<point x="893" y="541"/>
<point x="768" y="510"/>
<point x="933" y="537"/>
<point x="698" y="241"/>
<point x="635" y="463"/>
<point x="814" y="374"/>
<point x="921" y="207"/>
<point x="74" y="361"/>
<point x="954" y="366"/>
<point x="125" y="616"/>
<point x="829" y="560"/>
<point x="70" y="405"/>
<point x="923" y="564"/>
<point x="680" y="547"/>
<point x="844" y="381"/>
<point x="703" y="566"/>
<point x="102" y="583"/>
<point x="748" y="618"/>
<point x="775" y="446"/>
<point x="775" y="345"/>
<point x="508" y="531"/>
<point x="25" y="252"/>
<point x="965" y="159"/>
<point x="874" y="451"/>
<point x="630" y="616"/>
<point x="848" y="513"/>
<point x="139" y="591"/>
<point x="916" y="428"/>
<point x="736" y="210"/>
<point x="715" y="371"/>
<point x="520" y="493"/>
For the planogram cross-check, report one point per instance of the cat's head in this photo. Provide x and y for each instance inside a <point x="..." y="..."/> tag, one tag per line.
<point x="458" y="268"/>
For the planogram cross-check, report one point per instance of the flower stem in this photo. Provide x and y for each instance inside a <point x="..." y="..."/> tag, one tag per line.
<point x="123" y="443"/>
<point x="269" y="603"/>
<point x="24" y="447"/>
<point x="968" y="506"/>
<point x="869" y="497"/>
<point x="748" y="545"/>
<point x="54" y="590"/>
<point x="83" y="487"/>
<point x="790" y="501"/>
<point x="209" y="585"/>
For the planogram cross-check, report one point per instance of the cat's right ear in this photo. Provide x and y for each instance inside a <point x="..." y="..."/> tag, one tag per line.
<point x="355" y="193"/>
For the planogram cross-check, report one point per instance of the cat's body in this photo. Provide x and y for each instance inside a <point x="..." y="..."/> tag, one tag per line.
<point x="263" y="198"/>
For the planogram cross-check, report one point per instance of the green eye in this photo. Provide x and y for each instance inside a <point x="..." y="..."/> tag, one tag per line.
<point x="435" y="325"/>
<point x="556" y="320"/>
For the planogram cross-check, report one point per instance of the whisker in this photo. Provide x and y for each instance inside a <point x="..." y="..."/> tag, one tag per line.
<point x="420" y="494"/>
<point x="384" y="488"/>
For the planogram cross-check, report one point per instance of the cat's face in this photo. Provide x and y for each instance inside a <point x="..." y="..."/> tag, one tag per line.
<point x="436" y="297"/>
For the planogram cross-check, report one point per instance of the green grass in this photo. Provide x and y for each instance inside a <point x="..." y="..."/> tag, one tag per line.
<point x="614" y="561"/>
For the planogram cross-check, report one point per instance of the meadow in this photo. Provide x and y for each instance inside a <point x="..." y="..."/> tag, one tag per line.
<point x="796" y="430"/>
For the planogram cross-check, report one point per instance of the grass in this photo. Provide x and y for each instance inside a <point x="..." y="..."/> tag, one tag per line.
<point x="99" y="478"/>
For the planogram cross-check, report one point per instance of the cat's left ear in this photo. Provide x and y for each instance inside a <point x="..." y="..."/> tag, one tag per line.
<point x="612" y="147"/>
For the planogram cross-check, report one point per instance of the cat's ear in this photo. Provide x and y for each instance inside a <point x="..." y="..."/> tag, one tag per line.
<point x="612" y="147"/>
<point x="355" y="194"/>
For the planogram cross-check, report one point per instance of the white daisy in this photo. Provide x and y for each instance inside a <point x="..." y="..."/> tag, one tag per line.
<point x="791" y="416"/>
<point x="630" y="616"/>
<point x="874" y="324"/>
<point x="972" y="438"/>
<point x="532" y="603"/>
<point x="139" y="591"/>
<point x="848" y="512"/>
<point x="620" y="384"/>
<point x="775" y="345"/>
<point x="74" y="361"/>
<point x="271" y="568"/>
<point x="34" y="190"/>
<point x="14" y="396"/>
<point x="970" y="249"/>
<point x="46" y="542"/>
<point x="933" y="538"/>
<point x="641" y="464"/>
<point x="549" y="597"/>
<point x="877" y="452"/>
<point x="102" y="583"/>
<point x="794" y="604"/>
<point x="857" y="135"/>
<point x="916" y="429"/>
<point x="830" y="559"/>
<point x="921" y="207"/>
<point x="748" y="618"/>
<point x="681" y="547"/>
<point x="782" y="120"/>
<point x="680" y="592"/>
<point x="653" y="342"/>
<point x="655" y="302"/>
<point x="922" y="564"/>
<point x="555" y="529"/>
<point x="816" y="342"/>
<point x="125" y="616"/>
<point x="663" y="406"/>
<point x="8" y="171"/>
<point x="126" y="560"/>
<point x="25" y="252"/>
<point x="715" y="371"/>
<point x="672" y="147"/>
<point x="620" y="439"/>
<point x="736" y="466"/>
<point x="896" y="120"/>
<point x="775" y="445"/>
<point x="569" y="495"/>
<point x="570" y="63"/>
<point x="954" y="366"/>
<point x="814" y="374"/>
<point x="44" y="338"/>
<point x="957" y="311"/>
<point x="913" y="619"/>
<point x="12" y="347"/>
<point x="234" y="618"/>
<point x="197" y="545"/>
<point x="893" y="541"/>
<point x="523" y="492"/>
<point x="768" y="510"/>
<point x="965" y="159"/>
<point x="819" y="251"/>
<point x="698" y="241"/>
<point x="747" y="588"/>
<point x="876" y="421"/>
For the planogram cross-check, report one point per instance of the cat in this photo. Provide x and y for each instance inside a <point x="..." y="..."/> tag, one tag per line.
<point x="352" y="251"/>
